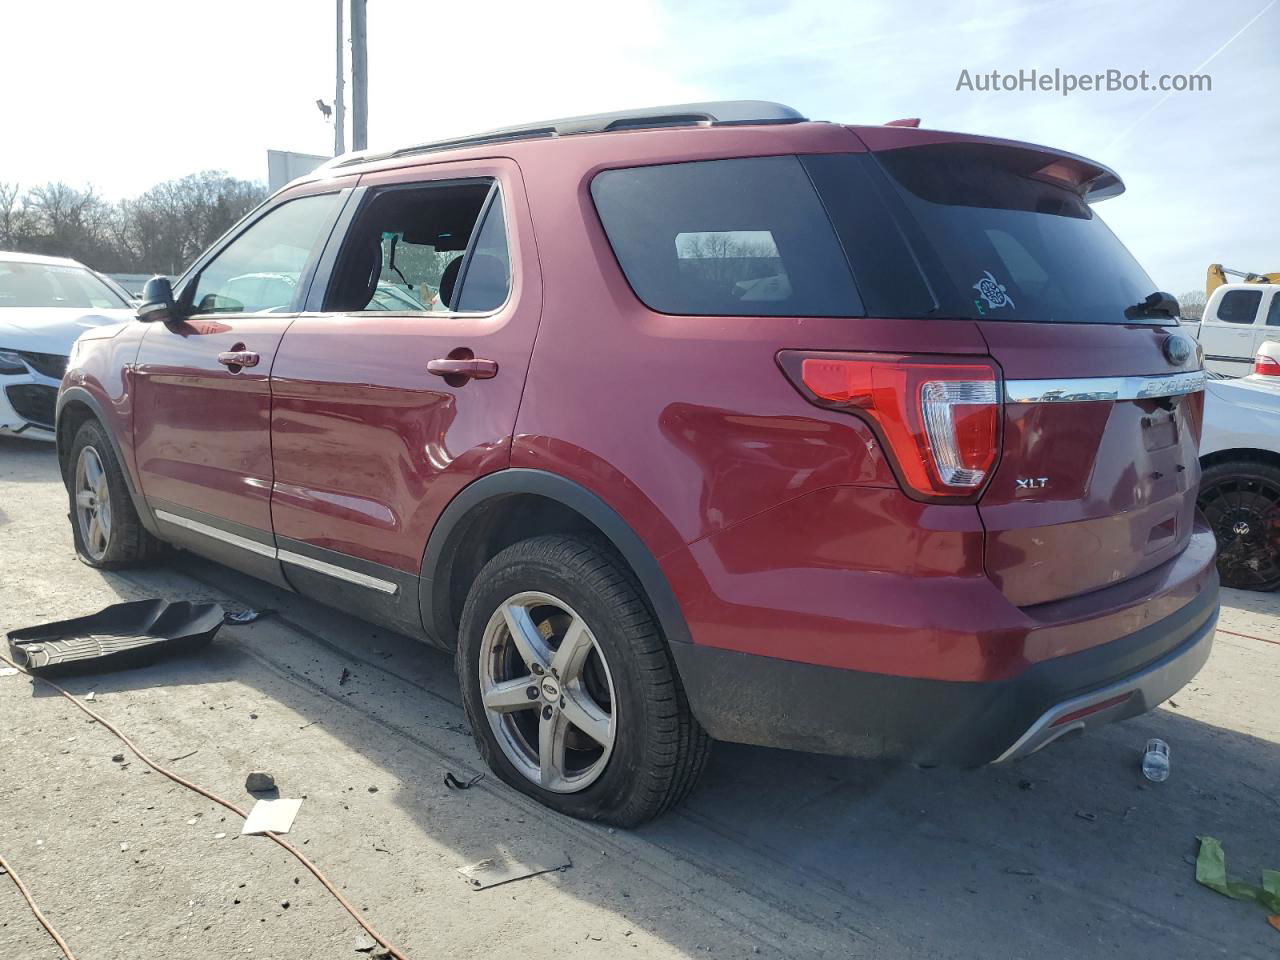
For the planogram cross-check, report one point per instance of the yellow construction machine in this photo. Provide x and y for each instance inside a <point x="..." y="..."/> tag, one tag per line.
<point x="1218" y="274"/>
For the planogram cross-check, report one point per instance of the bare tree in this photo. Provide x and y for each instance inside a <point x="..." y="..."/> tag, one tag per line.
<point x="1191" y="304"/>
<point x="15" y="221"/>
<point x="160" y="231"/>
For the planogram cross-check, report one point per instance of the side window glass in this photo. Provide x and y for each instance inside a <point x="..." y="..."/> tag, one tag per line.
<point x="404" y="251"/>
<point x="258" y="271"/>
<point x="1239" y="306"/>
<point x="1273" y="314"/>
<point x="726" y="238"/>
<point x="488" y="277"/>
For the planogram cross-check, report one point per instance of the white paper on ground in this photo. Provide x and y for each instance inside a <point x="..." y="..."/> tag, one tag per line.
<point x="271" y="816"/>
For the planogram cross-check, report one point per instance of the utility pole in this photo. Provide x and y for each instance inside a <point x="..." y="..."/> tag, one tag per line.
<point x="339" y="110"/>
<point x="359" y="78"/>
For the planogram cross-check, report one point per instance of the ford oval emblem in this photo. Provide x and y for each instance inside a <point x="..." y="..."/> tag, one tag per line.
<point x="1177" y="349"/>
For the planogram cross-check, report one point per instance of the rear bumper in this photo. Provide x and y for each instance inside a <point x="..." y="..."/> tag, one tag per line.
<point x="780" y="703"/>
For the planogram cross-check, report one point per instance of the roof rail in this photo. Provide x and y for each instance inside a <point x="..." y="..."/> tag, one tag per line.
<point x="716" y="113"/>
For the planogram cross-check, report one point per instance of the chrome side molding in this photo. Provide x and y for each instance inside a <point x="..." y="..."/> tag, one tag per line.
<point x="1085" y="389"/>
<point x="284" y="556"/>
<point x="214" y="533"/>
<point x="340" y="573"/>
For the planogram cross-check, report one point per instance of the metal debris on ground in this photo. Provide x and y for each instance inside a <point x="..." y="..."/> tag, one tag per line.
<point x="259" y="781"/>
<point x="365" y="943"/>
<point x="241" y="617"/>
<point x="1211" y="872"/>
<point x="453" y="783"/>
<point x="271" y="816"/>
<point x="503" y="867"/>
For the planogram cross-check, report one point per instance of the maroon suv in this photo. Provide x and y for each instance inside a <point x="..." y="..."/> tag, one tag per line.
<point x="686" y="423"/>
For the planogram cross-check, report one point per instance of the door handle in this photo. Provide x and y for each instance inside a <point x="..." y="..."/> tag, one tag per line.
<point x="472" y="369"/>
<point x="239" y="358"/>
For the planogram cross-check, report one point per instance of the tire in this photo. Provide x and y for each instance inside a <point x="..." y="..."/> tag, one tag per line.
<point x="615" y="677"/>
<point x="1241" y="501"/>
<point x="94" y="481"/>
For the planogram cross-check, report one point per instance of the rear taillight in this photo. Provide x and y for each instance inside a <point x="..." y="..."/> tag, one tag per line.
<point x="1265" y="366"/>
<point x="941" y="420"/>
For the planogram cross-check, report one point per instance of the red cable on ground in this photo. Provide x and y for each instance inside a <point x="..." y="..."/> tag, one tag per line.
<point x="1248" y="636"/>
<point x="26" y="895"/>
<point x="392" y="950"/>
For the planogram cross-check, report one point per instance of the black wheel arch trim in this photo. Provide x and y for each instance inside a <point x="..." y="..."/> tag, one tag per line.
<point x="69" y="395"/>
<point x="433" y="594"/>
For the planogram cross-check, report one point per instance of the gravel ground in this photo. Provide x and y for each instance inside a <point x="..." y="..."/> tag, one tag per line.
<point x="1069" y="854"/>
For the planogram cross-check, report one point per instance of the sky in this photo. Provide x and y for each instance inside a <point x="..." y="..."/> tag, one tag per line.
<point x="126" y="94"/>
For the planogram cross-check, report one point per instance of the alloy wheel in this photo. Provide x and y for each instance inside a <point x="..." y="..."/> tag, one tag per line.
<point x="547" y="692"/>
<point x="1244" y="512"/>
<point x="93" y="503"/>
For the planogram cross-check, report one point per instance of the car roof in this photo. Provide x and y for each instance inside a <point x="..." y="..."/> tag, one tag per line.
<point x="688" y="131"/>
<point x="711" y="113"/>
<point x="8" y="256"/>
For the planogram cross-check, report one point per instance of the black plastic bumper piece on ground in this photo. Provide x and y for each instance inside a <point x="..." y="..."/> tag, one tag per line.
<point x="781" y="703"/>
<point x="122" y="635"/>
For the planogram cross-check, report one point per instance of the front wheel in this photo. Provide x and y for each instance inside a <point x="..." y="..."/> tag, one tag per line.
<point x="105" y="526"/>
<point x="569" y="687"/>
<point x="1241" y="501"/>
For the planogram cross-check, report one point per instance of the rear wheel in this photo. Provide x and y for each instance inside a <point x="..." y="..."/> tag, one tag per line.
<point x="1241" y="501"/>
<point x="569" y="686"/>
<point x="104" y="523"/>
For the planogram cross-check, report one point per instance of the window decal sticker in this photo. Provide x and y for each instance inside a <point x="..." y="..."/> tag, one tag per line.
<point x="992" y="291"/>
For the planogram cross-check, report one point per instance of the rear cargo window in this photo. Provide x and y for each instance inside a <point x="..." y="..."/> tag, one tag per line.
<point x="740" y="237"/>
<point x="1239" y="306"/>
<point x="999" y="239"/>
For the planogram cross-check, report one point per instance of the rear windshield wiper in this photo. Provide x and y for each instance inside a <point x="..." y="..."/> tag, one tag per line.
<point x="1155" y="305"/>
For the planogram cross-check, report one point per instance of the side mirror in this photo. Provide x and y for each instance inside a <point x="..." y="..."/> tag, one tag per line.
<point x="157" y="302"/>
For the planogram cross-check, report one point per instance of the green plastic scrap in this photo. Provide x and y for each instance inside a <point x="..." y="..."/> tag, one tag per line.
<point x="1211" y="871"/>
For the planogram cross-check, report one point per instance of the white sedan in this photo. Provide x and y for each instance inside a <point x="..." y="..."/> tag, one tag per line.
<point x="1240" y="485"/>
<point x="45" y="304"/>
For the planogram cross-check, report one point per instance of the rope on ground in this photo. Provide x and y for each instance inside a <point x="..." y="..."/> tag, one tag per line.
<point x="391" y="949"/>
<point x="26" y="895"/>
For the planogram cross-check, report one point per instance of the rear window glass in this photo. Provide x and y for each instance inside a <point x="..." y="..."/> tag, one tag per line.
<point x="999" y="241"/>
<point x="740" y="237"/>
<point x="1239" y="306"/>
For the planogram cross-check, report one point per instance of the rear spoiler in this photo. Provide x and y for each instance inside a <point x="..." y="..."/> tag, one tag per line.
<point x="1090" y="179"/>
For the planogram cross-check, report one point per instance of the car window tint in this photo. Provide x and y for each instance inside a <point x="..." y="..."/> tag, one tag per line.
<point x="740" y="237"/>
<point x="488" y="276"/>
<point x="1273" y="314"/>
<point x="999" y="240"/>
<point x="1239" y="306"/>
<point x="258" y="271"/>
<point x="404" y="251"/>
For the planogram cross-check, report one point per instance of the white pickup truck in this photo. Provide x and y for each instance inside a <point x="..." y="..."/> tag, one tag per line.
<point x="1237" y="319"/>
<point x="1240" y="483"/>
